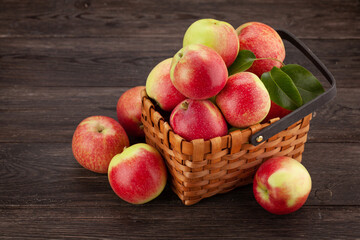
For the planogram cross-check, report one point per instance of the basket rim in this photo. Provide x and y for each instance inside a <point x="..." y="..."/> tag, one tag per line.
<point x="245" y="133"/>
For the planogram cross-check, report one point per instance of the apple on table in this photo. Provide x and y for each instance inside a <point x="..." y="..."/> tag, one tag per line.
<point x="281" y="185"/>
<point x="138" y="174"/>
<point x="96" y="141"/>
<point x="128" y="111"/>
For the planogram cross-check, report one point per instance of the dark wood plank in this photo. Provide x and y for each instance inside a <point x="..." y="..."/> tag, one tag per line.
<point x="80" y="62"/>
<point x="178" y="222"/>
<point x="62" y="61"/>
<point x="338" y="120"/>
<point x="128" y="61"/>
<point x="85" y="18"/>
<point x="48" y="174"/>
<point x="51" y="114"/>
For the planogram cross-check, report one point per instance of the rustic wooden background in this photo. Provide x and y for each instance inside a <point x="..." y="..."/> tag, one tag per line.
<point x="62" y="61"/>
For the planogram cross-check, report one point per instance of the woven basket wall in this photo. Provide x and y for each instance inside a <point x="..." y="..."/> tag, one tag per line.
<point x="200" y="169"/>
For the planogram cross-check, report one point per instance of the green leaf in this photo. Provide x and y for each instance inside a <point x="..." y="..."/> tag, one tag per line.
<point x="243" y="61"/>
<point x="308" y="85"/>
<point x="281" y="89"/>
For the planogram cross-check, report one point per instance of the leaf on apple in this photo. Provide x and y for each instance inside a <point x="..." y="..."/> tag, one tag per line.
<point x="282" y="89"/>
<point x="243" y="61"/>
<point x="308" y="85"/>
<point x="291" y="86"/>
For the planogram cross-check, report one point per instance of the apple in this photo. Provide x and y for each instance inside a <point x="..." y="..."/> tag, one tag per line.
<point x="244" y="101"/>
<point x="194" y="119"/>
<point x="96" y="141"/>
<point x="128" y="110"/>
<point x="138" y="174"/>
<point x="198" y="72"/>
<point x="281" y="185"/>
<point x="264" y="42"/>
<point x="218" y="35"/>
<point x="276" y="111"/>
<point x="160" y="88"/>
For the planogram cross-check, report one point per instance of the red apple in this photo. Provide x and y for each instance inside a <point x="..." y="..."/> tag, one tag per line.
<point x="193" y="119"/>
<point x="129" y="111"/>
<point x="138" y="174"/>
<point x="198" y="72"/>
<point x="160" y="88"/>
<point x="218" y="35"/>
<point x="244" y="101"/>
<point x="281" y="185"/>
<point x="276" y="111"/>
<point x="96" y="141"/>
<point x="264" y="42"/>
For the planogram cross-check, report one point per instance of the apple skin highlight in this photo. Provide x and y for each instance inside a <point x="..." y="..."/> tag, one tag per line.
<point x="128" y="111"/>
<point x="244" y="101"/>
<point x="198" y="72"/>
<point x="218" y="35"/>
<point x="281" y="185"/>
<point x="138" y="174"/>
<point x="160" y="88"/>
<point x="96" y="141"/>
<point x="194" y="119"/>
<point x="264" y="42"/>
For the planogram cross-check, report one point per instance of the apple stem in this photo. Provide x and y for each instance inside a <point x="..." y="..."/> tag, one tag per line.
<point x="185" y="105"/>
<point x="100" y="128"/>
<point x="282" y="64"/>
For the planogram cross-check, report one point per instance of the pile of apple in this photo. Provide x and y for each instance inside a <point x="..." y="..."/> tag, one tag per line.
<point x="221" y="79"/>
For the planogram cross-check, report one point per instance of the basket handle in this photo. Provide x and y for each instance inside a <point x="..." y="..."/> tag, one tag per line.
<point x="306" y="109"/>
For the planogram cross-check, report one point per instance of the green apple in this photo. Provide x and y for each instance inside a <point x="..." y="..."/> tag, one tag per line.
<point x="218" y="35"/>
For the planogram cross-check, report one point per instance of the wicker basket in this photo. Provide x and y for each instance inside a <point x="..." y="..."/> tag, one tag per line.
<point x="200" y="169"/>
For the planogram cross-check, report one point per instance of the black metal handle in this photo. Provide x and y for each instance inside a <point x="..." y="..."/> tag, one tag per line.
<point x="306" y="109"/>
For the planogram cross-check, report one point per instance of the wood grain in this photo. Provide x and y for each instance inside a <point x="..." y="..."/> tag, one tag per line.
<point x="128" y="61"/>
<point x="47" y="173"/>
<point x="62" y="61"/>
<point x="178" y="222"/>
<point x="110" y="18"/>
<point x="51" y="114"/>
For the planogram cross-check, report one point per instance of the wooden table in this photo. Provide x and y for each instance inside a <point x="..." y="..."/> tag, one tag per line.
<point x="62" y="61"/>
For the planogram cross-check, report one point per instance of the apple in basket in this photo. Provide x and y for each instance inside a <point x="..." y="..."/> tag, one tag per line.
<point x="138" y="174"/>
<point x="194" y="119"/>
<point x="281" y="185"/>
<point x="276" y="111"/>
<point x="244" y="101"/>
<point x="96" y="141"/>
<point x="128" y="110"/>
<point x="218" y="35"/>
<point x="160" y="88"/>
<point x="198" y="72"/>
<point x="264" y="42"/>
